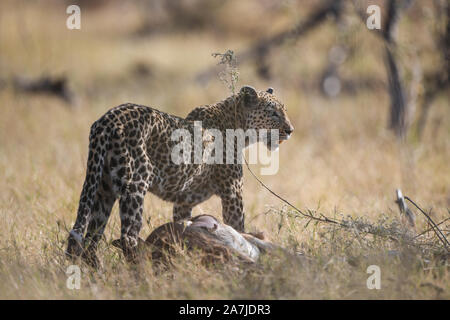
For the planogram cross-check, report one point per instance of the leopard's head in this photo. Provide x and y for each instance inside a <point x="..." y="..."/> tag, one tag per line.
<point x="263" y="110"/>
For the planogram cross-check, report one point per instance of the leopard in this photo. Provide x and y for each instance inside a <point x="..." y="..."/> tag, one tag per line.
<point x="131" y="153"/>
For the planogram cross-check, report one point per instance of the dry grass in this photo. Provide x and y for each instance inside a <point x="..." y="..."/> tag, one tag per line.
<point x="340" y="158"/>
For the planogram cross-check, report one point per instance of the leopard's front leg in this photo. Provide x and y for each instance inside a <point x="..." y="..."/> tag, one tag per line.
<point x="232" y="203"/>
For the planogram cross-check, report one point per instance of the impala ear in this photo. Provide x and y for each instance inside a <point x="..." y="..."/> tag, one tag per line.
<point x="270" y="90"/>
<point x="250" y="95"/>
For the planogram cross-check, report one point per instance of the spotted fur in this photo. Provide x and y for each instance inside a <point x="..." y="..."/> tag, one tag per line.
<point x="130" y="154"/>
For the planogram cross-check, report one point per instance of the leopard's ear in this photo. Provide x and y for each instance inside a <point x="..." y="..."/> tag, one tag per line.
<point x="250" y="96"/>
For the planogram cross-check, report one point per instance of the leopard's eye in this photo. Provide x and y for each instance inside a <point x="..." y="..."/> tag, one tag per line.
<point x="275" y="114"/>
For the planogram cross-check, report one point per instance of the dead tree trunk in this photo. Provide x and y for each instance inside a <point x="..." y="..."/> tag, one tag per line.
<point x="439" y="80"/>
<point x="399" y="115"/>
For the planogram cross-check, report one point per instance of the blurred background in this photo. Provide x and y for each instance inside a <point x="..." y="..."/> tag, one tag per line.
<point x="370" y="107"/>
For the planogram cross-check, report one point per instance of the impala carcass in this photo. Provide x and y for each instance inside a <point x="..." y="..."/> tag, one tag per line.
<point x="204" y="234"/>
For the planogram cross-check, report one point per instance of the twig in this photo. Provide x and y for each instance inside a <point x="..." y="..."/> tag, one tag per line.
<point x="436" y="229"/>
<point x="429" y="229"/>
<point x="309" y="216"/>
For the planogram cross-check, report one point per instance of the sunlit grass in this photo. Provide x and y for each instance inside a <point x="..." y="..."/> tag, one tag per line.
<point x="341" y="159"/>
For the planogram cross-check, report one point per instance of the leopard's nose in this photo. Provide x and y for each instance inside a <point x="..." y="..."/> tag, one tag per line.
<point x="289" y="130"/>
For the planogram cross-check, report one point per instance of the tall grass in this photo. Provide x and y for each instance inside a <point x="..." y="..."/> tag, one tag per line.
<point x="342" y="161"/>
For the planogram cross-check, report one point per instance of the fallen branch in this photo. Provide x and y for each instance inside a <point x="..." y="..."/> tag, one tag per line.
<point x="45" y="85"/>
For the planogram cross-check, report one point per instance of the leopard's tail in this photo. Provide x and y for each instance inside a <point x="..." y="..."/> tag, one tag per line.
<point x="98" y="140"/>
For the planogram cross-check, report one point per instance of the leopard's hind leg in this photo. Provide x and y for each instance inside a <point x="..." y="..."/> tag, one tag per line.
<point x="98" y="145"/>
<point x="104" y="201"/>
<point x="131" y="176"/>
